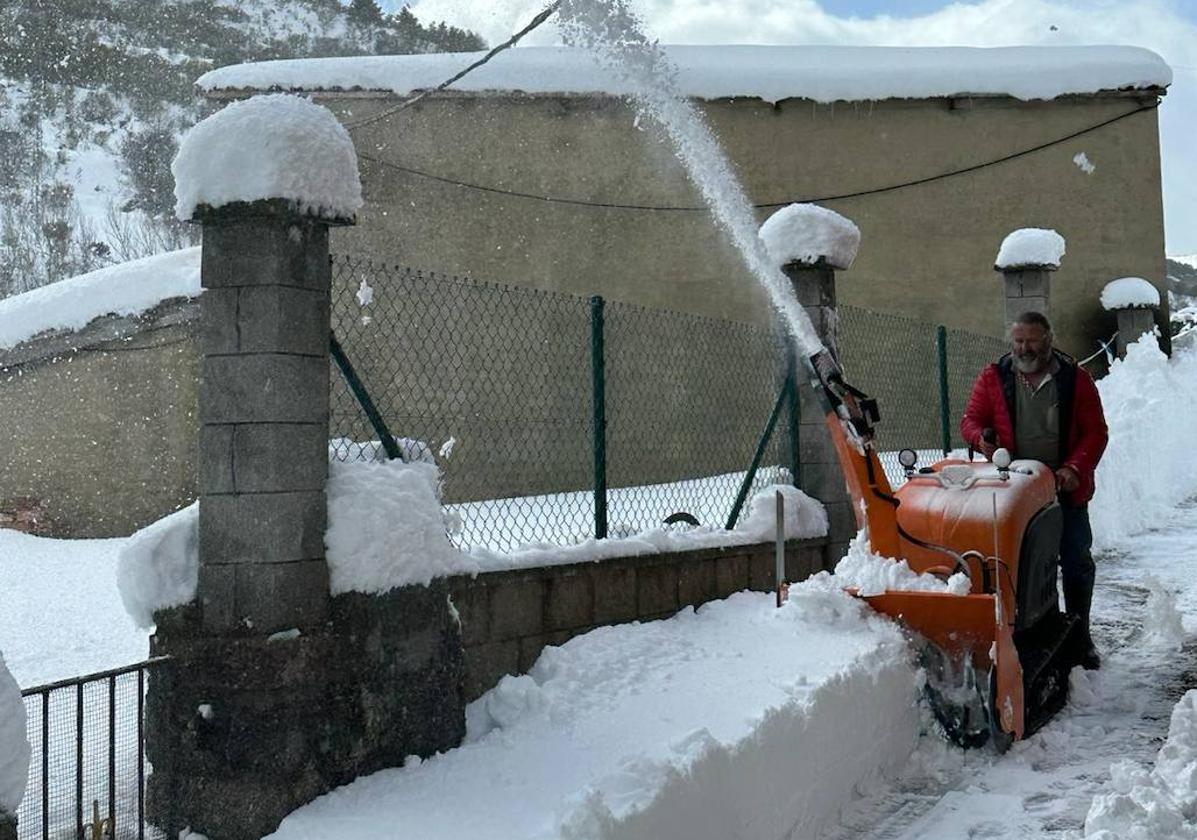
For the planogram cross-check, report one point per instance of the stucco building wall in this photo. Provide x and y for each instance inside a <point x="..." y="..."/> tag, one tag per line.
<point x="927" y="250"/>
<point x="100" y="425"/>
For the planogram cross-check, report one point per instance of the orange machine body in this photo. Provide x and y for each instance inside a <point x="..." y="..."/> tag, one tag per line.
<point x="954" y="516"/>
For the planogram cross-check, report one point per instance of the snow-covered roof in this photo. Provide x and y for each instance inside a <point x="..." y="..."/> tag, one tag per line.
<point x="808" y="232"/>
<point x="771" y="73"/>
<point x="1130" y="293"/>
<point x="267" y="147"/>
<point x="1030" y="247"/>
<point x="126" y="289"/>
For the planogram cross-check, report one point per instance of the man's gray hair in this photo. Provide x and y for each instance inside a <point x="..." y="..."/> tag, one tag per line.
<point x="1031" y="317"/>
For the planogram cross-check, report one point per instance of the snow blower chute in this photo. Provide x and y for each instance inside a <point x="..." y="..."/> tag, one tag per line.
<point x="997" y="658"/>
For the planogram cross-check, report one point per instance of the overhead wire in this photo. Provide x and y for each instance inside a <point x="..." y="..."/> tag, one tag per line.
<point x="540" y="18"/>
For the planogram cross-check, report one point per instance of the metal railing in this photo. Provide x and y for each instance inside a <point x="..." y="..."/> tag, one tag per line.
<point x="87" y="766"/>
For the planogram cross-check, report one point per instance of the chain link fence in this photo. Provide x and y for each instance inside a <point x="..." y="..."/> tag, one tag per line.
<point x="557" y="418"/>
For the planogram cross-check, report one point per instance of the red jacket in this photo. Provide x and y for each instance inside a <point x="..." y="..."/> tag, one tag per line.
<point x="991" y="405"/>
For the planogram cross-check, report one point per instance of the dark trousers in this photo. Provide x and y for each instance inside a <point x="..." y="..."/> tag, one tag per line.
<point x="1077" y="569"/>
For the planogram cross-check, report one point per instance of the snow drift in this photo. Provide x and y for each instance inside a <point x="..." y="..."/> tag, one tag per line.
<point x="1150" y="465"/>
<point x="703" y="725"/>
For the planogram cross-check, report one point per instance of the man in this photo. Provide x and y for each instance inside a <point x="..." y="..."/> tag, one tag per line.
<point x="1041" y="405"/>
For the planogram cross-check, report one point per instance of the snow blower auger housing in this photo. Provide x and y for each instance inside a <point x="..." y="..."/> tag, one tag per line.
<point x="998" y="657"/>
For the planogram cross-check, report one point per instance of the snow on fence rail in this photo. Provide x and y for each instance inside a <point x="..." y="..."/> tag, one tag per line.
<point x="557" y="418"/>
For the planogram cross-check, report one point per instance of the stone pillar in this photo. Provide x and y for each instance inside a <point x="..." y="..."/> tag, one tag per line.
<point x="822" y="476"/>
<point x="1132" y="323"/>
<point x="1028" y="289"/>
<point x="264" y="397"/>
<point x="275" y="692"/>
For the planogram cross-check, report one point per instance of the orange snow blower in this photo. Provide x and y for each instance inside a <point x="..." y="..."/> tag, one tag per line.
<point x="997" y="658"/>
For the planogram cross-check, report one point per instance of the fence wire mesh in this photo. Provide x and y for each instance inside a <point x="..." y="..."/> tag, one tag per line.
<point x="86" y="759"/>
<point x="495" y="384"/>
<point x="687" y="400"/>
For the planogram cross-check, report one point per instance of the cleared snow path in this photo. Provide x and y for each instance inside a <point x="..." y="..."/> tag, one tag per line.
<point x="1044" y="786"/>
<point x="738" y="720"/>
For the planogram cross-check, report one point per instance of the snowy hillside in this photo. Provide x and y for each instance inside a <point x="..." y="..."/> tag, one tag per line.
<point x="95" y="93"/>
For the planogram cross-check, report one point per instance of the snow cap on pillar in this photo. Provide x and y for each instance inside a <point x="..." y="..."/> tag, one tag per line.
<point x="1030" y="248"/>
<point x="807" y="233"/>
<point x="1130" y="293"/>
<point x="269" y="148"/>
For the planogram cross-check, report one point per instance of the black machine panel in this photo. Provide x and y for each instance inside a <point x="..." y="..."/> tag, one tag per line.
<point x="1037" y="566"/>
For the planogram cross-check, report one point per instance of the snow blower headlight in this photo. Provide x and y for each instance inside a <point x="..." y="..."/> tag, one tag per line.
<point x="908" y="458"/>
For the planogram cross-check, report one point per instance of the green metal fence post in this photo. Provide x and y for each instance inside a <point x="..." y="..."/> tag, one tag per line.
<point x="598" y="380"/>
<point x="795" y="408"/>
<point x="363" y="398"/>
<point x="945" y="407"/>
<point x="742" y="495"/>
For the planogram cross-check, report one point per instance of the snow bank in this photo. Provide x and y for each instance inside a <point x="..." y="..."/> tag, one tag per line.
<point x="126" y="289"/>
<point x="772" y="73"/>
<point x="1148" y="805"/>
<point x="50" y="592"/>
<point x="1030" y="247"/>
<point x="872" y="574"/>
<point x="808" y="232"/>
<point x="14" y="745"/>
<point x="158" y="566"/>
<point x="735" y="720"/>
<point x="386" y="527"/>
<point x="1130" y="292"/>
<point x="276" y="146"/>
<point x="1150" y="465"/>
<point x="805" y="518"/>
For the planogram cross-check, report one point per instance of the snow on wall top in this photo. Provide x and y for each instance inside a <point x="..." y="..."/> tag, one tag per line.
<point x="1030" y="247"/>
<point x="276" y="146"/>
<point x="807" y="232"/>
<point x="771" y="73"/>
<point x="14" y="745"/>
<point x="1129" y="293"/>
<point x="127" y="289"/>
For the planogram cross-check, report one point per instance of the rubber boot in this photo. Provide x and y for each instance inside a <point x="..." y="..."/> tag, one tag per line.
<point x="1078" y="597"/>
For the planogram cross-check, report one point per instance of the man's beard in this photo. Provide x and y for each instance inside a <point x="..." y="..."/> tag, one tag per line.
<point x="1029" y="363"/>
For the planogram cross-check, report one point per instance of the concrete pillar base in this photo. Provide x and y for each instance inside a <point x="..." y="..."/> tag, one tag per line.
<point x="1028" y="289"/>
<point x="1132" y="323"/>
<point x="246" y="728"/>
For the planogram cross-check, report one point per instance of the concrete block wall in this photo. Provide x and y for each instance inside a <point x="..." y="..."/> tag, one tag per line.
<point x="508" y="618"/>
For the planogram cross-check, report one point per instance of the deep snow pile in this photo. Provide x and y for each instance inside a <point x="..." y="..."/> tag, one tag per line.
<point x="1030" y="247"/>
<point x="127" y="289"/>
<point x="14" y="746"/>
<point x="51" y="592"/>
<point x="808" y="232"/>
<point x="735" y="720"/>
<point x="265" y="147"/>
<point x="386" y="527"/>
<point x="158" y="567"/>
<point x="1149" y="805"/>
<point x="1129" y="292"/>
<point x="1150" y="465"/>
<point x="771" y="73"/>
